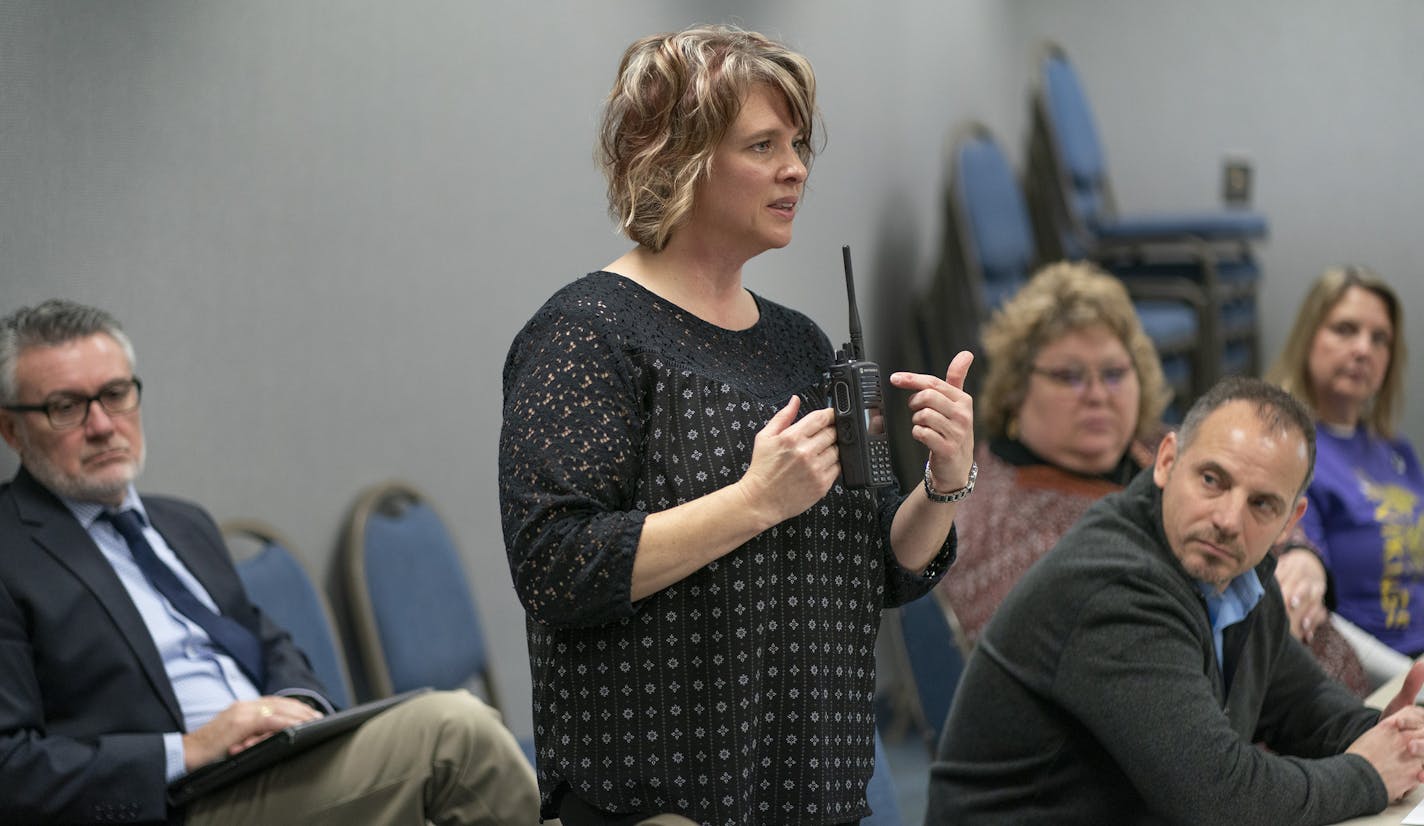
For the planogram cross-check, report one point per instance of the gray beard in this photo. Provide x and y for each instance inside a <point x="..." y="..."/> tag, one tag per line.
<point x="78" y="488"/>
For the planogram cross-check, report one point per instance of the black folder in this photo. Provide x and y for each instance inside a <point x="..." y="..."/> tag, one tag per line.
<point x="286" y="743"/>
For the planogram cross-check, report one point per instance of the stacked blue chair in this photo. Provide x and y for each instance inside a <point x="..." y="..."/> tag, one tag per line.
<point x="1209" y="252"/>
<point x="991" y="236"/>
<point x="278" y="584"/>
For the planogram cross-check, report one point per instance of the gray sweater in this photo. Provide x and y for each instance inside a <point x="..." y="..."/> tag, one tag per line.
<point x="1094" y="697"/>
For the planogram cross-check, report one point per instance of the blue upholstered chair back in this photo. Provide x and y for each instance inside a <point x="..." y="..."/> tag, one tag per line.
<point x="936" y="660"/>
<point x="881" y="794"/>
<point x="1075" y="158"/>
<point x="991" y="206"/>
<point x="415" y="618"/>
<point x="278" y="584"/>
<point x="1072" y="118"/>
<point x="1203" y="256"/>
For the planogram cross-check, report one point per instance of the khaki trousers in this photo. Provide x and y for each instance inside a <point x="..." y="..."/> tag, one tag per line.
<point x="444" y="758"/>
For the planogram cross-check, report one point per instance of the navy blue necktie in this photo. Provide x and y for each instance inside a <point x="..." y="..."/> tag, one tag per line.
<point x="228" y="634"/>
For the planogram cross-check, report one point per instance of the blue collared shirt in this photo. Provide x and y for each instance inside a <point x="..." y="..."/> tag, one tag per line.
<point x="205" y="680"/>
<point x="1230" y="606"/>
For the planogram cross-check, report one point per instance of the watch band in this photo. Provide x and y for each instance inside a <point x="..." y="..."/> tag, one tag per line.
<point x="954" y="495"/>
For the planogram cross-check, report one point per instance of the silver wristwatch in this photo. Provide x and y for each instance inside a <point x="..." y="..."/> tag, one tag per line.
<point x="954" y="495"/>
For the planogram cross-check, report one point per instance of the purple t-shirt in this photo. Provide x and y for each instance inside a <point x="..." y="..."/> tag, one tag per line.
<point x="1366" y="515"/>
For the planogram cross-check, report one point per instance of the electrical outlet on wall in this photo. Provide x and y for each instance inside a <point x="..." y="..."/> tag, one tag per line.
<point x="1236" y="179"/>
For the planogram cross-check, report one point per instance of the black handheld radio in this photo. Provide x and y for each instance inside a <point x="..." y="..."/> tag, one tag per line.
<point x="854" y="391"/>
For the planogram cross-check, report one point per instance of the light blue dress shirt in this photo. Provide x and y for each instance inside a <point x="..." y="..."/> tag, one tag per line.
<point x="204" y="679"/>
<point x="1230" y="606"/>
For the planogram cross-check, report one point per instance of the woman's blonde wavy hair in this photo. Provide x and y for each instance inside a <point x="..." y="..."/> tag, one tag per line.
<point x="675" y="97"/>
<point x="1292" y="369"/>
<point x="1059" y="299"/>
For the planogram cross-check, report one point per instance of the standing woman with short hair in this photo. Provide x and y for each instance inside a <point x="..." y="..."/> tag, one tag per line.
<point x="702" y="595"/>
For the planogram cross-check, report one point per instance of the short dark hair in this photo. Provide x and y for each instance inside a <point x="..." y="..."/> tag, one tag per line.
<point x="1275" y="407"/>
<point x="51" y="324"/>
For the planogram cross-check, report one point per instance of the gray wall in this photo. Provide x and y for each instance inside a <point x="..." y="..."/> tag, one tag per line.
<point x="323" y="221"/>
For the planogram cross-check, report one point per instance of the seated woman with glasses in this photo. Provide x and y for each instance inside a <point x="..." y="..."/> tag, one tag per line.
<point x="1070" y="411"/>
<point x="1345" y="357"/>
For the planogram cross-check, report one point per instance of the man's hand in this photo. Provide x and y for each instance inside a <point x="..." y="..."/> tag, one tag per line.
<point x="1413" y="682"/>
<point x="1395" y="748"/>
<point x="1302" y="581"/>
<point x="240" y="725"/>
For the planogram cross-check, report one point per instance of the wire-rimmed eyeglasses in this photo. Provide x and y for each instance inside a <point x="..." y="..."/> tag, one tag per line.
<point x="1077" y="379"/>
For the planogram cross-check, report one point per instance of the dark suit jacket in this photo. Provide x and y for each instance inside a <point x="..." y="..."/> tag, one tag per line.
<point x="84" y="698"/>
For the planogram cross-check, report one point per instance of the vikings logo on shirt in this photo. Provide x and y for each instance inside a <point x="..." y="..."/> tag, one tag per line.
<point x="1402" y="538"/>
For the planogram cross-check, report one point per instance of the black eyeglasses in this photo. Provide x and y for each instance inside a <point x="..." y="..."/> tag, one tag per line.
<point x="1077" y="379"/>
<point x="70" y="410"/>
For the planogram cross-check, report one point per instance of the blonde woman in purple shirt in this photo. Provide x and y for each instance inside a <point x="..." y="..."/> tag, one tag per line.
<point x="1346" y="356"/>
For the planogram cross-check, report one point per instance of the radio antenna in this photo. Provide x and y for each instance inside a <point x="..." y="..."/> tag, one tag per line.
<point x="857" y="343"/>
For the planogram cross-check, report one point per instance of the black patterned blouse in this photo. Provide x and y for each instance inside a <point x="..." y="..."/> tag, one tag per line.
<point x="741" y="694"/>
